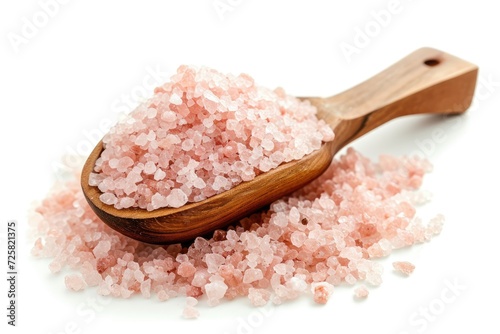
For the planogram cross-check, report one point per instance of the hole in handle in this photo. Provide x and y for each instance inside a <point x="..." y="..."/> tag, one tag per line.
<point x="431" y="62"/>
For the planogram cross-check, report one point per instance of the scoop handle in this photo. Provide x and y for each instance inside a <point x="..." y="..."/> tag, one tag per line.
<point x="426" y="81"/>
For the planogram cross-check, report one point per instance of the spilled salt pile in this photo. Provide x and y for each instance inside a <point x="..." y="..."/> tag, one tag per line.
<point x="326" y="234"/>
<point x="199" y="135"/>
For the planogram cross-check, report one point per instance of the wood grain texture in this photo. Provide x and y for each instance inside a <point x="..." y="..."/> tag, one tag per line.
<point x="426" y="81"/>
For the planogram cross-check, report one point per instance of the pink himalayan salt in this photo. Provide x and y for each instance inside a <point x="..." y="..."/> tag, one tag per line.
<point x="361" y="292"/>
<point x="201" y="134"/>
<point x="259" y="297"/>
<point x="74" y="282"/>
<point x="190" y="312"/>
<point x="215" y="291"/>
<point x="321" y="292"/>
<point x="323" y="235"/>
<point x="404" y="267"/>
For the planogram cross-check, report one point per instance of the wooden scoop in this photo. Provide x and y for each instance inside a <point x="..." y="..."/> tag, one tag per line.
<point x="426" y="81"/>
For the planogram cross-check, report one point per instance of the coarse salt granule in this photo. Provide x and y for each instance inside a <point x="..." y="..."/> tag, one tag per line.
<point x="361" y="292"/>
<point x="201" y="134"/>
<point x="190" y="312"/>
<point x="327" y="233"/>
<point x="404" y="267"/>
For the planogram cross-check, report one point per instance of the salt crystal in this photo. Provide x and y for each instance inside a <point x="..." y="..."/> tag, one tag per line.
<point x="146" y="288"/>
<point x="141" y="139"/>
<point x="108" y="198"/>
<point x="175" y="99"/>
<point x="124" y="163"/>
<point x="200" y="277"/>
<point x="220" y="182"/>
<point x="321" y="292"/>
<point x="297" y="238"/>
<point x="280" y="219"/>
<point x="102" y="249"/>
<point x="199" y="183"/>
<point x="252" y="275"/>
<point x="187" y="144"/>
<point x="186" y="269"/>
<point x="361" y="292"/>
<point x="190" y="312"/>
<point x="126" y="202"/>
<point x="258" y="297"/>
<point x="435" y="226"/>
<point x="404" y="267"/>
<point x="168" y="116"/>
<point x="215" y="292"/>
<point x="159" y="175"/>
<point x="280" y="269"/>
<point x="158" y="201"/>
<point x="267" y="144"/>
<point x="214" y="261"/>
<point x="74" y="282"/>
<point x="150" y="167"/>
<point x="177" y="198"/>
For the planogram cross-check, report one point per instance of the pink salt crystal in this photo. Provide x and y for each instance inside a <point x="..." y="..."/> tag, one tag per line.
<point x="252" y="275"/>
<point x="159" y="175"/>
<point x="74" y="282"/>
<point x="90" y="275"/>
<point x="220" y="182"/>
<point x="190" y="301"/>
<point x="404" y="267"/>
<point x="108" y="198"/>
<point x="297" y="238"/>
<point x="322" y="292"/>
<point x="200" y="278"/>
<point x="104" y="263"/>
<point x="361" y="292"/>
<point x="177" y="198"/>
<point x="259" y="297"/>
<point x="186" y="269"/>
<point x="280" y="219"/>
<point x="168" y="116"/>
<point x="189" y="311"/>
<point x="215" y="291"/>
<point x="158" y="201"/>
<point x="126" y="202"/>
<point x="146" y="288"/>
<point x="150" y="167"/>
<point x="163" y="295"/>
<point x="37" y="247"/>
<point x="214" y="261"/>
<point x="141" y="139"/>
<point x="139" y="276"/>
<point x="102" y="249"/>
<point x="124" y="163"/>
<point x="280" y="269"/>
<point x="435" y="226"/>
<point x="175" y="99"/>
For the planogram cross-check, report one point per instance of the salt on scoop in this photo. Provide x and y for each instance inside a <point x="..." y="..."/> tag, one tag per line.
<point x="201" y="134"/>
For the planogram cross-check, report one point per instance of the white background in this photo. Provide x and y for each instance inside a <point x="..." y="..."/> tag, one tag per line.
<point x="70" y="75"/>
